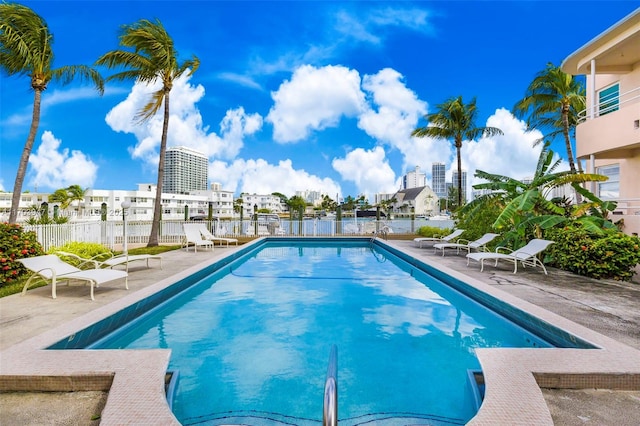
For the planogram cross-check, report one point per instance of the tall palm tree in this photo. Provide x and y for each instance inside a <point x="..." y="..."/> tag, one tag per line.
<point x="552" y="102"/>
<point x="455" y="120"/>
<point x="26" y="49"/>
<point x="151" y="57"/>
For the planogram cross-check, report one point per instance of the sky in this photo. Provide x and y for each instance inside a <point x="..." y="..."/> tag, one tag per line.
<point x="296" y="95"/>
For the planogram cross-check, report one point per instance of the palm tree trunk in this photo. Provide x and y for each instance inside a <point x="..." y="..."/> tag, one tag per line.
<point x="24" y="159"/>
<point x="157" y="205"/>
<point x="458" y="149"/>
<point x="567" y="139"/>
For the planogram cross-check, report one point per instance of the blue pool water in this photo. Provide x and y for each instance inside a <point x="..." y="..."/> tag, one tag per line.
<point x="251" y="341"/>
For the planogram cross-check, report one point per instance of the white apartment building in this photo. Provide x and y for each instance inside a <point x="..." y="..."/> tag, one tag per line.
<point x="185" y="171"/>
<point x="312" y="197"/>
<point x="414" y="179"/>
<point x="270" y="202"/>
<point x="142" y="204"/>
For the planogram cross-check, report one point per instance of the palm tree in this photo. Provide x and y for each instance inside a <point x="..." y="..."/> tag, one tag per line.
<point x="26" y="49"/>
<point x="152" y="57"/>
<point x="76" y="193"/>
<point x="455" y="120"/>
<point x="60" y="196"/>
<point x="553" y="101"/>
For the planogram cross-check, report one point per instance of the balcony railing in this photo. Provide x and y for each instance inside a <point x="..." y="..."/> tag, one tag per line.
<point x="610" y="104"/>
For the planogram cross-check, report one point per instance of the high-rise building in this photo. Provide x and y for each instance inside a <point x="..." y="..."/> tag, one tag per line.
<point x="438" y="182"/>
<point x="414" y="179"/>
<point x="454" y="182"/>
<point x="185" y="170"/>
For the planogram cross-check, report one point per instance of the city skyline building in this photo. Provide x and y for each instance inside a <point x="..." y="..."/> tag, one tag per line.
<point x="414" y="179"/>
<point x="185" y="171"/>
<point x="438" y="181"/>
<point x="454" y="182"/>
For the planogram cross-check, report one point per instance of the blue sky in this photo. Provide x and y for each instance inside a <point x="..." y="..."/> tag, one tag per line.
<point x="296" y="95"/>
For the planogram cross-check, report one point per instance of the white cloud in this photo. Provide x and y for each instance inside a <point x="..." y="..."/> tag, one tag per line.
<point x="260" y="177"/>
<point x="242" y="80"/>
<point x="368" y="27"/>
<point x="54" y="168"/>
<point x="369" y="170"/>
<point x="186" y="126"/>
<point x="397" y="115"/>
<point x="2" y="185"/>
<point x="511" y="154"/>
<point x="314" y="99"/>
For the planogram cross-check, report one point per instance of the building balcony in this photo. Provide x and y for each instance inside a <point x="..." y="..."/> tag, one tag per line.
<point x="613" y="129"/>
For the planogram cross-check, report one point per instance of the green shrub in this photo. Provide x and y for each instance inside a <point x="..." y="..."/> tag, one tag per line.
<point x="84" y="250"/>
<point x="15" y="244"/>
<point x="432" y="231"/>
<point x="612" y="255"/>
<point x="479" y="221"/>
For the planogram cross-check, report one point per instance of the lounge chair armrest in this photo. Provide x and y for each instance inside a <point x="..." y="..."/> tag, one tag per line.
<point x="83" y="260"/>
<point x="463" y="241"/>
<point x="505" y="249"/>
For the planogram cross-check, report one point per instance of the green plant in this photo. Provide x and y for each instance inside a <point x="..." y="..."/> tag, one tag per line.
<point x="609" y="254"/>
<point x="432" y="231"/>
<point x="84" y="250"/>
<point x="15" y="244"/>
<point x="480" y="222"/>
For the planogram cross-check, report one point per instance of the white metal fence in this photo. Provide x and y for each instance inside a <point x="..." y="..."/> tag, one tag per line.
<point x="110" y="233"/>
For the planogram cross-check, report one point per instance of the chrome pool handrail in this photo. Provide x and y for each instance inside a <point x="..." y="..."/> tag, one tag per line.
<point x="330" y="406"/>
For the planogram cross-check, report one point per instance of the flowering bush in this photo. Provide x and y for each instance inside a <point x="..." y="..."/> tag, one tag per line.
<point x="610" y="255"/>
<point x="15" y="244"/>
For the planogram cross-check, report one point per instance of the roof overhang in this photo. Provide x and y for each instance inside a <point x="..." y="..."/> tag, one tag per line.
<point x="616" y="50"/>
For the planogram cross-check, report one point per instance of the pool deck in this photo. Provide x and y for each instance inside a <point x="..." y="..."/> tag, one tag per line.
<point x="524" y="386"/>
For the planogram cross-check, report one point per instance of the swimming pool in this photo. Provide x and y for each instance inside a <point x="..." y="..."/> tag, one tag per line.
<point x="254" y="346"/>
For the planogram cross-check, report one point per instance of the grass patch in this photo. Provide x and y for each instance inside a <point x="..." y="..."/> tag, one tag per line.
<point x="152" y="250"/>
<point x="16" y="287"/>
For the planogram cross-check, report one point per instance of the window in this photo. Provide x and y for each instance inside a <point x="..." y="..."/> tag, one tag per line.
<point x="609" y="189"/>
<point x="608" y="99"/>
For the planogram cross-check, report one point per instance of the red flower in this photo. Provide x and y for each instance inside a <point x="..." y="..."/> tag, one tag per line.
<point x="24" y="251"/>
<point x="14" y="272"/>
<point x="6" y="268"/>
<point x="584" y="248"/>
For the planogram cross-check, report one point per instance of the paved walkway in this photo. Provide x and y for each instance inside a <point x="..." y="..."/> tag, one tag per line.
<point x="606" y="307"/>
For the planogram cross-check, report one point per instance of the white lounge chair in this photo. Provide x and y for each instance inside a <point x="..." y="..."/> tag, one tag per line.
<point x="108" y="260"/>
<point x="51" y="268"/>
<point x="446" y="238"/>
<point x="193" y="237"/>
<point x="526" y="255"/>
<point x="209" y="236"/>
<point x="479" y="244"/>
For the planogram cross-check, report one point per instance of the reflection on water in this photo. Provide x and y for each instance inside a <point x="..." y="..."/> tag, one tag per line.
<point x="257" y="338"/>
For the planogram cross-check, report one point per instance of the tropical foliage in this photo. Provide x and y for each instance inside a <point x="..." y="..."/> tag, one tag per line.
<point x="610" y="254"/>
<point x="527" y="207"/>
<point x="552" y="103"/>
<point x="455" y="120"/>
<point x="151" y="57"/>
<point x="26" y="49"/>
